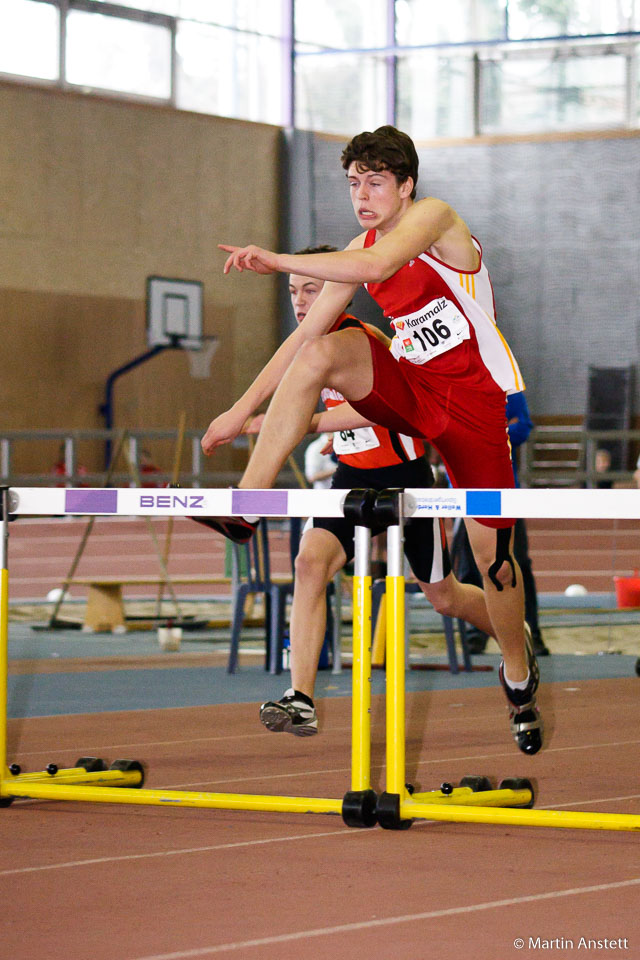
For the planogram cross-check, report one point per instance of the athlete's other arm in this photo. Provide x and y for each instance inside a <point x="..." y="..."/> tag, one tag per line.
<point x="428" y="224"/>
<point x="329" y="304"/>
<point x="342" y="417"/>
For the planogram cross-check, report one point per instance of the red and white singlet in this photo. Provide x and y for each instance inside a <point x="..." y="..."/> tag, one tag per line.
<point x="446" y="318"/>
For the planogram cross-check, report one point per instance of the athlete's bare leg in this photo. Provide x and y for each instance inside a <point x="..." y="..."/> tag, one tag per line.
<point x="341" y="360"/>
<point x="505" y="607"/>
<point x="321" y="556"/>
<point x="463" y="601"/>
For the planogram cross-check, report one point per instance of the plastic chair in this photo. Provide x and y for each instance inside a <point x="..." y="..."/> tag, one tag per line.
<point x="274" y="594"/>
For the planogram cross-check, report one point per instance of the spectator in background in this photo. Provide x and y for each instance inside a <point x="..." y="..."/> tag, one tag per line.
<point x="319" y="467"/>
<point x="520" y="426"/>
<point x="603" y="465"/>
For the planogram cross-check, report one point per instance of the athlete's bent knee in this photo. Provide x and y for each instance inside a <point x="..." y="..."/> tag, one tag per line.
<point x="312" y="569"/>
<point x="316" y="357"/>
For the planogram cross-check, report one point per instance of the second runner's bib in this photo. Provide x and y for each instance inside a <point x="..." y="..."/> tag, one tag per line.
<point x="354" y="441"/>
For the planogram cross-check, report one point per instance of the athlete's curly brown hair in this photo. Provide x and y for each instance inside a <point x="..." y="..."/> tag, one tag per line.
<point x="385" y="149"/>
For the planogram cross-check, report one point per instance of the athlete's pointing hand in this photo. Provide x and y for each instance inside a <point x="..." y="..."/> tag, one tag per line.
<point x="250" y="258"/>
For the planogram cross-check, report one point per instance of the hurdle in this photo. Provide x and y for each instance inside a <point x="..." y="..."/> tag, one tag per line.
<point x="511" y="804"/>
<point x="90" y="780"/>
<point x="474" y="800"/>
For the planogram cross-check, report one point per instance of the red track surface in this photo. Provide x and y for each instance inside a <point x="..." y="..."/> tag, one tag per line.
<point x="41" y="552"/>
<point x="102" y="882"/>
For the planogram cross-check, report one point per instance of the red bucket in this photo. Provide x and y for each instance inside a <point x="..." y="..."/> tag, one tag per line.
<point x="628" y="590"/>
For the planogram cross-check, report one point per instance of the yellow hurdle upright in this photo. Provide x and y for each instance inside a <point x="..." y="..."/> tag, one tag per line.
<point x="361" y="666"/>
<point x="396" y="806"/>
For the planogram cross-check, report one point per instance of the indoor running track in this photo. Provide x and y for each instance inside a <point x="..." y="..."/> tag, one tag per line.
<point x="111" y="882"/>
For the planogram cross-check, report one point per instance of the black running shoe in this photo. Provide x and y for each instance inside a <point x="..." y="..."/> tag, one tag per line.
<point x="524" y="716"/>
<point x="236" y="529"/>
<point x="290" y="714"/>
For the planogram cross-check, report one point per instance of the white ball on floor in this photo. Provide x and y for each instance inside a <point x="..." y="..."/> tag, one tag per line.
<point x="54" y="595"/>
<point x="576" y="590"/>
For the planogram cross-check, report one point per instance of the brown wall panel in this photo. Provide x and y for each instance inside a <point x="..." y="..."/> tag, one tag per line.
<point x="96" y="196"/>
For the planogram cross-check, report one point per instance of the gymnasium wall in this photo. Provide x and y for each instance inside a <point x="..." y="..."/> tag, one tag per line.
<point x="96" y="195"/>
<point x="558" y="219"/>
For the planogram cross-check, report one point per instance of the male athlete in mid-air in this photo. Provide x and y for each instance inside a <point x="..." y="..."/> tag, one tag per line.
<point x="371" y="458"/>
<point x="445" y="379"/>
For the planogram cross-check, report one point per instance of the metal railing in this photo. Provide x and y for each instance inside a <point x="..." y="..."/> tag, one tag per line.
<point x="566" y="456"/>
<point x="198" y="472"/>
<point x="552" y="457"/>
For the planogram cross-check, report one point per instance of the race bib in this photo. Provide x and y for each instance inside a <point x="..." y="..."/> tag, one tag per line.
<point x="435" y="328"/>
<point x="354" y="441"/>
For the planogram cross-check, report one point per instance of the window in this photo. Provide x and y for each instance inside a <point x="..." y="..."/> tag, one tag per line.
<point x="342" y="94"/>
<point x="553" y="18"/>
<point x="341" y="24"/>
<point x="568" y="92"/>
<point x="435" y="95"/>
<point x="29" y="34"/>
<point x="456" y="21"/>
<point x="112" y="53"/>
<point x="228" y="72"/>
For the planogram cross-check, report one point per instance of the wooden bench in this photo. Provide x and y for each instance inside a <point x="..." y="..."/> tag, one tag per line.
<point x="105" y="603"/>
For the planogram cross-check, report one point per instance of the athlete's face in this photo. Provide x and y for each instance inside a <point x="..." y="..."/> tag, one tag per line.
<point x="303" y="291"/>
<point x="377" y="197"/>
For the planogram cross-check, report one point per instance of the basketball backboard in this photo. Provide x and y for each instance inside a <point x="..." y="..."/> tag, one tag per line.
<point x="174" y="312"/>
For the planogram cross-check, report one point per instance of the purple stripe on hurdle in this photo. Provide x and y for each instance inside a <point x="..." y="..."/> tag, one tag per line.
<point x="91" y="501"/>
<point x="259" y="503"/>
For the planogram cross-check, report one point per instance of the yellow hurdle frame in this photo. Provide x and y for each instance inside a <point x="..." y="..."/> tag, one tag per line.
<point x="125" y="785"/>
<point x="481" y="807"/>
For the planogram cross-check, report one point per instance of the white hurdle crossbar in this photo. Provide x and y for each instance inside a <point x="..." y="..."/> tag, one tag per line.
<point x="568" y="504"/>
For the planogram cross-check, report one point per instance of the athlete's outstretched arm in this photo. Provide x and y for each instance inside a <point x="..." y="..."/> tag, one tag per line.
<point x="329" y="305"/>
<point x="427" y="223"/>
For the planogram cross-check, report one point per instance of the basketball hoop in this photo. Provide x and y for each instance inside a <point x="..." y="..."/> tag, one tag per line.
<point x="200" y="360"/>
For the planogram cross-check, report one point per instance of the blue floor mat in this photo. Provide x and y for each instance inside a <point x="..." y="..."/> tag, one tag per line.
<point x="104" y="691"/>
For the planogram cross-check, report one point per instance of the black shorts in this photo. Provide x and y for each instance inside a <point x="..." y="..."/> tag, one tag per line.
<point x="425" y="544"/>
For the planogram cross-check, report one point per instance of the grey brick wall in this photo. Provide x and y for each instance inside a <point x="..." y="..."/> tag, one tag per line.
<point x="559" y="222"/>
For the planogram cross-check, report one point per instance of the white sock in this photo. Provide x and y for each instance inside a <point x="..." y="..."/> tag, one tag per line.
<point x="520" y="684"/>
